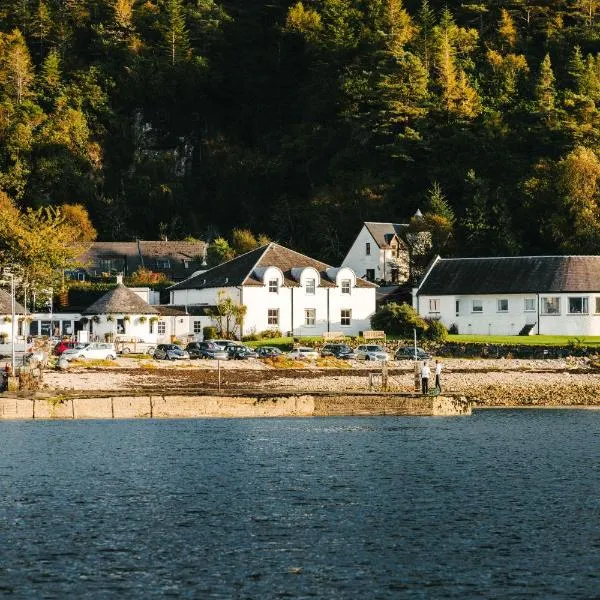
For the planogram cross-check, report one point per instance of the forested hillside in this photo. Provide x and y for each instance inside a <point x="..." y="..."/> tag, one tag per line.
<point x="301" y="120"/>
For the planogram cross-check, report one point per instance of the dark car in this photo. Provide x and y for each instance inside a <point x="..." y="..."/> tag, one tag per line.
<point x="268" y="352"/>
<point x="342" y="351"/>
<point x="62" y="346"/>
<point x="408" y="353"/>
<point x="206" y="350"/>
<point x="170" y="352"/>
<point x="237" y="352"/>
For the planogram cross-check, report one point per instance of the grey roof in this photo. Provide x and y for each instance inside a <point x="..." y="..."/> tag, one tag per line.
<point x="5" y="304"/>
<point x="161" y="256"/>
<point x="243" y="270"/>
<point x="384" y="232"/>
<point x="120" y="300"/>
<point x="512" y="275"/>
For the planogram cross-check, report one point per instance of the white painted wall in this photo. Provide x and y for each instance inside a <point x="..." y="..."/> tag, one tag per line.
<point x="492" y="322"/>
<point x="359" y="261"/>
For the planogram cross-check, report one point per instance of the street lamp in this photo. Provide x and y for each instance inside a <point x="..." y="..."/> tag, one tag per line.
<point x="6" y="273"/>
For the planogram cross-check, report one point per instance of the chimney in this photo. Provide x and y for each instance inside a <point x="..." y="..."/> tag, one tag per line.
<point x="119" y="278"/>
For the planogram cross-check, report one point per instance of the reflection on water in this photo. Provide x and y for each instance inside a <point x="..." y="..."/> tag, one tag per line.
<point x="503" y="504"/>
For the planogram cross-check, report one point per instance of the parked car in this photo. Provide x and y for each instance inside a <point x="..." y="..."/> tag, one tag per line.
<point x="222" y="343"/>
<point x="206" y="350"/>
<point x="268" y="352"/>
<point x="170" y="352"/>
<point x="62" y="346"/>
<point x="91" y="350"/>
<point x="303" y="354"/>
<point x="342" y="351"/>
<point x="371" y="352"/>
<point x="239" y="352"/>
<point x="408" y="353"/>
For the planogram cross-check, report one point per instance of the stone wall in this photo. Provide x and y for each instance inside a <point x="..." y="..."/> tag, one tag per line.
<point x="206" y="406"/>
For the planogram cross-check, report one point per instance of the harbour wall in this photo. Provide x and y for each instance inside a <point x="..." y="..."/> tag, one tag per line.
<point x="229" y="406"/>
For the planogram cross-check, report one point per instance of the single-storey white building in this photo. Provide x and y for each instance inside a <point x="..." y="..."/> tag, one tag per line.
<point x="549" y="295"/>
<point x="284" y="290"/>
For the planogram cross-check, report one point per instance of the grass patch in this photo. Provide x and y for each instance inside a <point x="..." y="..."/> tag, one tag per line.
<point x="527" y="340"/>
<point x="330" y="362"/>
<point x="94" y="362"/>
<point x="283" y="362"/>
<point x="147" y="365"/>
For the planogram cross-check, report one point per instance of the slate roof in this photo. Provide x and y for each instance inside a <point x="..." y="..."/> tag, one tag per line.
<point x="179" y="310"/>
<point x="162" y="256"/>
<point x="513" y="275"/>
<point x="120" y="300"/>
<point x="5" y="304"/>
<point x="245" y="270"/>
<point x="384" y="232"/>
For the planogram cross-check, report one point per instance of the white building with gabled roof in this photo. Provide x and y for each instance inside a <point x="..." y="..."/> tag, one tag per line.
<point x="284" y="290"/>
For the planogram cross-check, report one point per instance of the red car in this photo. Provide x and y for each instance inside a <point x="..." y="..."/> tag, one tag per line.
<point x="62" y="346"/>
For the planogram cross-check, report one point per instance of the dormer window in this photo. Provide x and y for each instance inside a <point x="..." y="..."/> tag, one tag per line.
<point x="310" y="286"/>
<point x="186" y="264"/>
<point x="273" y="285"/>
<point x="163" y="263"/>
<point x="346" y="283"/>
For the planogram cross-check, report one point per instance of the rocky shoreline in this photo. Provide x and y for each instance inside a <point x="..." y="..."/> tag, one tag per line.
<point x="487" y="382"/>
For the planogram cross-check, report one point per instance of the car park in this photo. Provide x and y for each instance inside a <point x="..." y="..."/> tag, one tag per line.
<point x="342" y="351"/>
<point x="206" y="350"/>
<point x="303" y="353"/>
<point x="411" y="353"/>
<point x="371" y="352"/>
<point x="268" y="352"/>
<point x="170" y="352"/>
<point x="91" y="350"/>
<point x="240" y="352"/>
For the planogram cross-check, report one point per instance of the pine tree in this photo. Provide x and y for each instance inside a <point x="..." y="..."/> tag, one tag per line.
<point x="16" y="70"/>
<point x="426" y="41"/>
<point x="545" y="92"/>
<point x="176" y="33"/>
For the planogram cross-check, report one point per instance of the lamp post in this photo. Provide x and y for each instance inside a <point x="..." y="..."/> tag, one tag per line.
<point x="6" y="273"/>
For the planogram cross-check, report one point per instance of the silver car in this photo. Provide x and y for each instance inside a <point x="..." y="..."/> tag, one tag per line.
<point x="92" y="350"/>
<point x="371" y="352"/>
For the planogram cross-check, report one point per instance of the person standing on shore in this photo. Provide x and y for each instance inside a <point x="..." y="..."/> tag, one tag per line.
<point x="425" y="373"/>
<point x="438" y="375"/>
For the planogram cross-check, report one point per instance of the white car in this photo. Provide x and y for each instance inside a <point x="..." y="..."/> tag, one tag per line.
<point x="371" y="352"/>
<point x="303" y="354"/>
<point x="92" y="350"/>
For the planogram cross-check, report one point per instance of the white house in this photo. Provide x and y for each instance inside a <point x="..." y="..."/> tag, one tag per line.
<point x="379" y="253"/>
<point x="284" y="290"/>
<point x="549" y="295"/>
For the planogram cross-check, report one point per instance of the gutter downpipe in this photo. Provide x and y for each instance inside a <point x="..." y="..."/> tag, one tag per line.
<point x="328" y="319"/>
<point x="538" y="312"/>
<point x="292" y="309"/>
<point x="241" y="288"/>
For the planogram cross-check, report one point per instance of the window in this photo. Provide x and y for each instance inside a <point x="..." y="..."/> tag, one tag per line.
<point x="457" y="306"/>
<point x="309" y="316"/>
<point x="529" y="304"/>
<point x="434" y="305"/>
<point x="578" y="305"/>
<point x="345" y="286"/>
<point x="502" y="305"/>
<point x="163" y="263"/>
<point x="371" y="274"/>
<point x="551" y="305"/>
<point x="273" y="285"/>
<point x="197" y="326"/>
<point x="597" y="305"/>
<point x="346" y="317"/>
<point x="368" y="249"/>
<point x="273" y="316"/>
<point x="120" y="325"/>
<point x="476" y="306"/>
<point x="310" y="286"/>
<point x="161" y="328"/>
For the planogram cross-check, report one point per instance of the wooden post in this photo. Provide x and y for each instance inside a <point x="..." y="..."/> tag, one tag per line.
<point x="219" y="374"/>
<point x="417" y="377"/>
<point x="384" y="375"/>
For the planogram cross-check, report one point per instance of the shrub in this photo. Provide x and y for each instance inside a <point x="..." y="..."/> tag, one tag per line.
<point x="209" y="332"/>
<point x="453" y="329"/>
<point x="268" y="334"/>
<point x="398" y="319"/>
<point x="436" y="330"/>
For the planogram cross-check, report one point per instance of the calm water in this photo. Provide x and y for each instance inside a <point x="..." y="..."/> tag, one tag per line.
<point x="504" y="504"/>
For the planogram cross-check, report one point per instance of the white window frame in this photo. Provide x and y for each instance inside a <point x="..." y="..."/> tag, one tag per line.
<point x="544" y="308"/>
<point x="310" y="317"/>
<point x="476" y="308"/>
<point x="532" y="301"/>
<point x="273" y="286"/>
<point x="597" y="305"/>
<point x="197" y="326"/>
<point x="273" y="316"/>
<point x="346" y="286"/>
<point x="311" y="287"/>
<point x="434" y="305"/>
<point x="161" y="328"/>
<point x="457" y="307"/>
<point x="585" y="305"/>
<point x="498" y="305"/>
<point x="346" y="317"/>
<point x="368" y="248"/>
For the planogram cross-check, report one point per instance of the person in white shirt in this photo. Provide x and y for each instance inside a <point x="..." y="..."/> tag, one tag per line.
<point x="438" y="374"/>
<point x="425" y="373"/>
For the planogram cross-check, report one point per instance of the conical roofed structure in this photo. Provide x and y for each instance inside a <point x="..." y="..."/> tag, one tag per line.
<point x="120" y="300"/>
